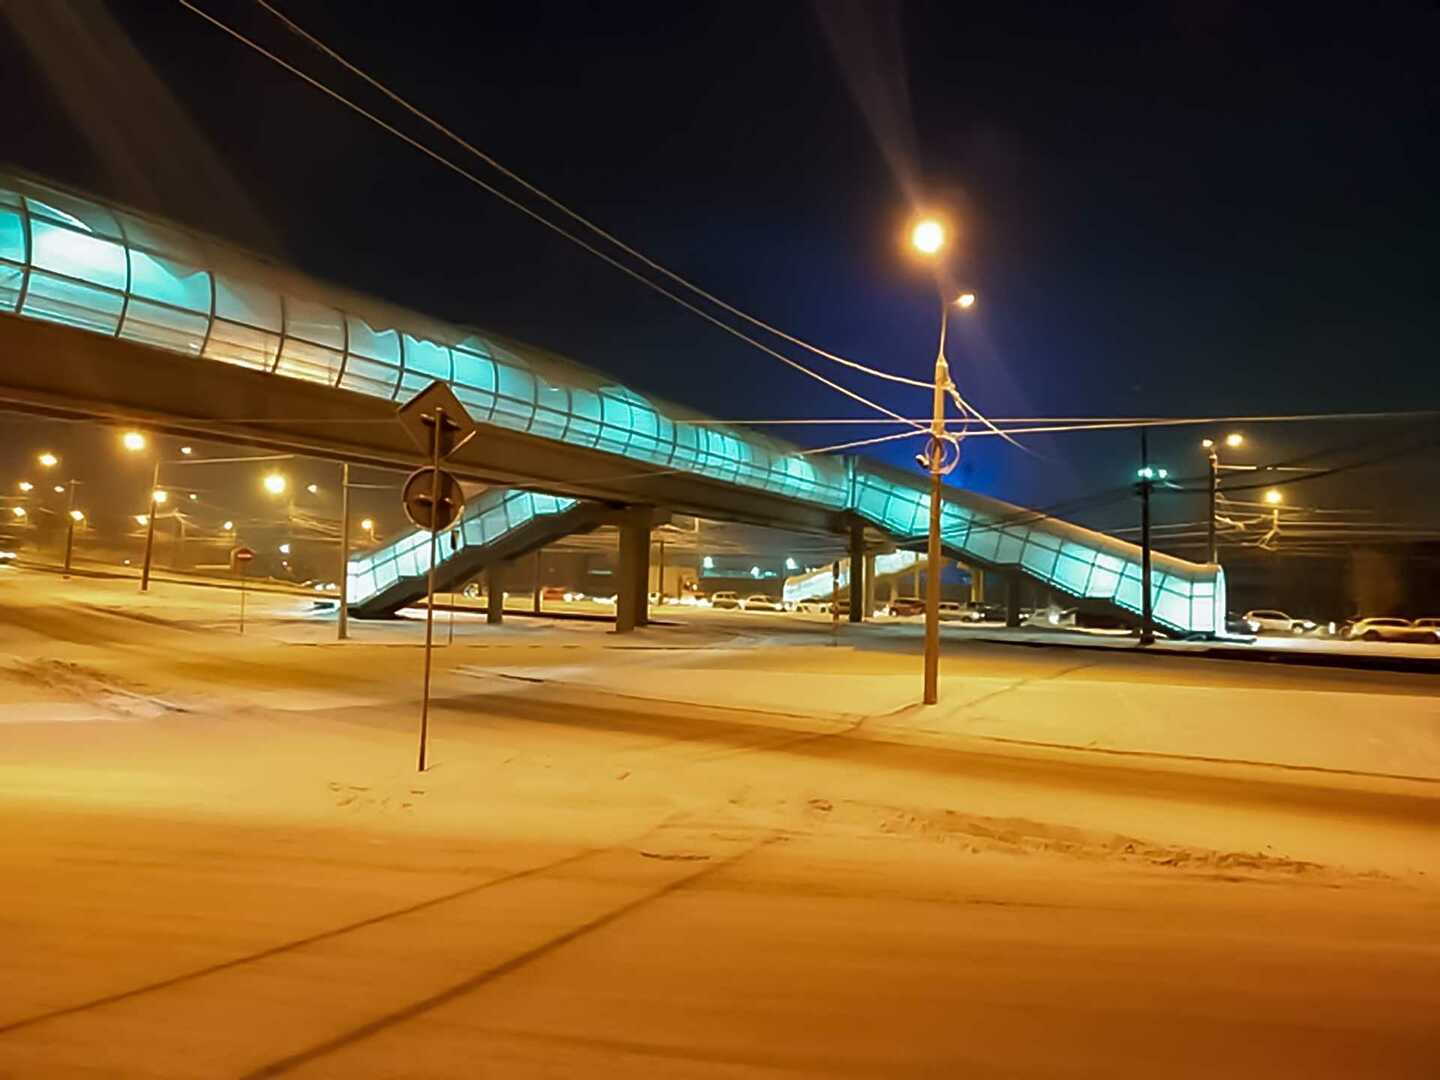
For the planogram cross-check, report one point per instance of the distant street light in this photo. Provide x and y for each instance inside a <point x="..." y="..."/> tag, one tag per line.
<point x="313" y="489"/>
<point x="187" y="450"/>
<point x="160" y="496"/>
<point x="133" y="441"/>
<point x="1232" y="440"/>
<point x="26" y="486"/>
<point x="48" y="459"/>
<point x="284" y="549"/>
<point x="59" y="489"/>
<point x="966" y="300"/>
<point x="1274" y="497"/>
<point x="19" y="511"/>
<point x="77" y="515"/>
<point x="228" y="526"/>
<point x="275" y="483"/>
<point x="193" y="497"/>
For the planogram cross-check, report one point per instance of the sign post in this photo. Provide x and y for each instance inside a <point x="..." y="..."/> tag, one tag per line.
<point x="240" y="557"/>
<point x="433" y="499"/>
<point x="835" y="602"/>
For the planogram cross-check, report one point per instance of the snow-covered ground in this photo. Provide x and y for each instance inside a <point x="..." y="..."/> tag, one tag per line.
<point x="727" y="847"/>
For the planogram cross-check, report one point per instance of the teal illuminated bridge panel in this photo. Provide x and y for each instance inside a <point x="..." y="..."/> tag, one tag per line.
<point x="81" y="263"/>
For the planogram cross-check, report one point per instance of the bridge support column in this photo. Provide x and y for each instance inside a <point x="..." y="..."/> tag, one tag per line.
<point x="859" y="565"/>
<point x="495" y="594"/>
<point x="633" y="588"/>
<point x="977" y="585"/>
<point x="869" y="584"/>
<point x="1012" y="600"/>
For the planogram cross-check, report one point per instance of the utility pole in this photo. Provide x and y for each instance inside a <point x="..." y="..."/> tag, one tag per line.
<point x="933" y="558"/>
<point x="1212" y="548"/>
<point x="150" y="528"/>
<point x="342" y="630"/>
<point x="69" y="524"/>
<point x="1147" y="625"/>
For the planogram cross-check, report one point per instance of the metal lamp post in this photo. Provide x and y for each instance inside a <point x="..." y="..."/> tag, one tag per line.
<point x="929" y="239"/>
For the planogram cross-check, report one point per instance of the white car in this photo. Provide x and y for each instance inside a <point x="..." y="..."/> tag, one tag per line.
<point x="726" y="601"/>
<point x="761" y="602"/>
<point x="1392" y="629"/>
<point x="1269" y="621"/>
<point x="1429" y="624"/>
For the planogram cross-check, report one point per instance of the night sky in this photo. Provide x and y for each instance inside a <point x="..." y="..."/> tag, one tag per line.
<point x="1193" y="208"/>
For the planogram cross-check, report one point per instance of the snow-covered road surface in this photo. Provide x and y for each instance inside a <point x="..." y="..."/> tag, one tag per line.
<point x="706" y="852"/>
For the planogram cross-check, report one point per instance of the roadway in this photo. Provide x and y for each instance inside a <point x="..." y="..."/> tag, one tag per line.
<point x="706" y="851"/>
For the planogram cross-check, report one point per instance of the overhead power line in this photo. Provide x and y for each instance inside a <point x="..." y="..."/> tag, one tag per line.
<point x="516" y="204"/>
<point x="574" y="215"/>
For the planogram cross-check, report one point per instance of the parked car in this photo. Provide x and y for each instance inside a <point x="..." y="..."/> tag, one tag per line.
<point x="554" y="592"/>
<point x="1430" y="624"/>
<point x="1270" y="621"/>
<point x="814" y="605"/>
<point x="907" y="605"/>
<point x="761" y="602"/>
<point x="1392" y="629"/>
<point x="726" y="601"/>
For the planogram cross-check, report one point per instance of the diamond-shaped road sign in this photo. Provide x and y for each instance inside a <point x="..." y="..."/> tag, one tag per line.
<point x="437" y="406"/>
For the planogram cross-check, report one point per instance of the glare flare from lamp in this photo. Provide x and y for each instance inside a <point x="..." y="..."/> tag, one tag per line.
<point x="133" y="441"/>
<point x="275" y="484"/>
<point x="928" y="236"/>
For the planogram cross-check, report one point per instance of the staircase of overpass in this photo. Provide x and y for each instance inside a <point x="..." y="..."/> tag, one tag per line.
<point x="106" y="311"/>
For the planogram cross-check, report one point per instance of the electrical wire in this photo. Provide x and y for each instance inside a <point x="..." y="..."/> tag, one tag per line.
<point x="510" y="174"/>
<point x="516" y="204"/>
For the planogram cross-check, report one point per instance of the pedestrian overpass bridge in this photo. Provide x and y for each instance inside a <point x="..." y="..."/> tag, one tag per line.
<point x="113" y="314"/>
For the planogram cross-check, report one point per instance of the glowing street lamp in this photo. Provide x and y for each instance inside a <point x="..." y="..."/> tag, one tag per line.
<point x="1274" y="497"/>
<point x="1234" y="439"/>
<point x="48" y="460"/>
<point x="142" y="519"/>
<point x="133" y="441"/>
<point x="187" y="450"/>
<point x="19" y="511"/>
<point x="275" y="483"/>
<point x="928" y="236"/>
<point x="313" y="489"/>
<point x="228" y="526"/>
<point x="26" y="486"/>
<point x="160" y="496"/>
<point x="59" y="489"/>
<point x="77" y="515"/>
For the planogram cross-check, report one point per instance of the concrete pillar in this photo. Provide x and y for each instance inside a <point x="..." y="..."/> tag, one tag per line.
<point x="495" y="594"/>
<point x="1012" y="600"/>
<point x="869" y="584"/>
<point x="632" y="590"/>
<point x="539" y="588"/>
<point x="857" y="571"/>
<point x="977" y="585"/>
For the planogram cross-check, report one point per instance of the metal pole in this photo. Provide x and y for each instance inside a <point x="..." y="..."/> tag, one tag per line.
<point x="342" y="630"/>
<point x="1213" y="548"/>
<point x="835" y="601"/>
<point x="1147" y="625"/>
<point x="933" y="558"/>
<point x="435" y="436"/>
<point x="69" y="526"/>
<point x="660" y="588"/>
<point x="242" y="596"/>
<point x="150" y="530"/>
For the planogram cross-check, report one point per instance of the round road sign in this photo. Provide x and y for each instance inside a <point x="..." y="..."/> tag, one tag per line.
<point x="417" y="493"/>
